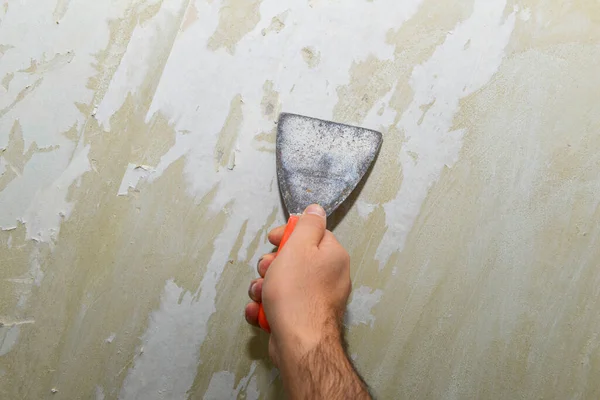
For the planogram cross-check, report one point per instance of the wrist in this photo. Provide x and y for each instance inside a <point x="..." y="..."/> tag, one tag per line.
<point x="294" y="343"/>
<point x="316" y="366"/>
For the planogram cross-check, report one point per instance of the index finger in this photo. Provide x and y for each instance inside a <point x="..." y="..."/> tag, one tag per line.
<point x="276" y="234"/>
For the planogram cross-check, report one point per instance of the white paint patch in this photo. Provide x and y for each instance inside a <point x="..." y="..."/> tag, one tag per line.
<point x="99" y="393"/>
<point x="37" y="175"/>
<point x="382" y="115"/>
<point x="359" y="310"/>
<point x="252" y="391"/>
<point x="166" y="370"/>
<point x="8" y="338"/>
<point x="454" y="71"/>
<point x="110" y="338"/>
<point x="44" y="60"/>
<point x="177" y="330"/>
<point x="364" y="209"/>
<point x="50" y="207"/>
<point x="222" y="386"/>
<point x="133" y="174"/>
<point x="135" y="65"/>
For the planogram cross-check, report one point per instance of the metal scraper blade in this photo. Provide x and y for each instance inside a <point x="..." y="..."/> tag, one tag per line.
<point x="321" y="161"/>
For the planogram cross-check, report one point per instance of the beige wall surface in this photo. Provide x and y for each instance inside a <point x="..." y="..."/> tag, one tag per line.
<point x="137" y="184"/>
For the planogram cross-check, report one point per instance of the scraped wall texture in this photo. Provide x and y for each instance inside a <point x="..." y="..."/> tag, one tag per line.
<point x="137" y="185"/>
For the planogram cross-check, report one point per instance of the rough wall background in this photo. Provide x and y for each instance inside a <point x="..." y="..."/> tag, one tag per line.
<point x="137" y="184"/>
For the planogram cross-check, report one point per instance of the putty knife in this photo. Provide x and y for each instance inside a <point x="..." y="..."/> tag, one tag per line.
<point x="318" y="162"/>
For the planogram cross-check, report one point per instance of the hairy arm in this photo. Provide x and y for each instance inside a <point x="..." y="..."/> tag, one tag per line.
<point x="323" y="372"/>
<point x="304" y="293"/>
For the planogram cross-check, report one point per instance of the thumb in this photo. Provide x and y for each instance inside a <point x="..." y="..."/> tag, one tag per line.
<point x="311" y="226"/>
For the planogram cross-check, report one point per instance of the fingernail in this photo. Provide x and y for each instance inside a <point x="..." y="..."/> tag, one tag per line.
<point x="316" y="210"/>
<point x="253" y="289"/>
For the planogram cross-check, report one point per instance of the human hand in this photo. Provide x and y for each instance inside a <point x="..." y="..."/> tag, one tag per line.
<point x="304" y="290"/>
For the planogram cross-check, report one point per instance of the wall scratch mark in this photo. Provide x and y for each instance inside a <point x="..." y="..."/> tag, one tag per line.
<point x="8" y="323"/>
<point x="223" y="153"/>
<point x="22" y="95"/>
<point x="43" y="66"/>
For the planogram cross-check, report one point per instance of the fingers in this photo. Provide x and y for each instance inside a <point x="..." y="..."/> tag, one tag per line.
<point x="255" y="290"/>
<point x="264" y="263"/>
<point x="331" y="245"/>
<point x="251" y="313"/>
<point x="276" y="234"/>
<point x="311" y="226"/>
<point x="310" y="230"/>
<point x="255" y="293"/>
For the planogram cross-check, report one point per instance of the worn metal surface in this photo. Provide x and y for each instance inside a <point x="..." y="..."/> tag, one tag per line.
<point x="321" y="162"/>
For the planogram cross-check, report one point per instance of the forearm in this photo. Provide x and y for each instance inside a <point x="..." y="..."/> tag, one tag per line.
<point x="323" y="372"/>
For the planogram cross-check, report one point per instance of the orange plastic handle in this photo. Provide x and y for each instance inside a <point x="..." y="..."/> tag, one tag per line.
<point x="292" y="221"/>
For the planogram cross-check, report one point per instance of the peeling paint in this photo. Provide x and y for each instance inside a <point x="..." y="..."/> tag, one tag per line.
<point x="439" y="84"/>
<point x="44" y="66"/>
<point x="222" y="386"/>
<point x="133" y="175"/>
<point x="110" y="338"/>
<point x="223" y="153"/>
<point x="277" y="24"/>
<point x="270" y="102"/>
<point x="53" y="158"/>
<point x="236" y="19"/>
<point x="134" y="67"/>
<point x="50" y="205"/>
<point x="180" y="311"/>
<point x="172" y="370"/>
<point x="99" y="393"/>
<point x="480" y="211"/>
<point x="311" y="57"/>
<point x="6" y="80"/>
<point x="364" y="209"/>
<point x="363" y="300"/>
<point x="9" y="336"/>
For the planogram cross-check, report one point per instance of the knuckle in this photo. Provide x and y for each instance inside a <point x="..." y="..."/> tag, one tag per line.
<point x="344" y="256"/>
